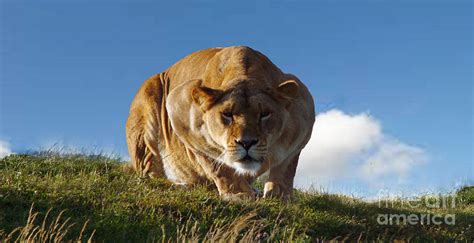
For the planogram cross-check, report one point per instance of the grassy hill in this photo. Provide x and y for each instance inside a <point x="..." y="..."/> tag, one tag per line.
<point x="48" y="196"/>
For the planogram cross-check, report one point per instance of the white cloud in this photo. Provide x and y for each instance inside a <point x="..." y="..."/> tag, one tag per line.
<point x="346" y="146"/>
<point x="4" y="149"/>
<point x="392" y="157"/>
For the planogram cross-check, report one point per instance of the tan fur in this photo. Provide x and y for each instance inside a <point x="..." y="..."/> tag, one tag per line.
<point x="221" y="116"/>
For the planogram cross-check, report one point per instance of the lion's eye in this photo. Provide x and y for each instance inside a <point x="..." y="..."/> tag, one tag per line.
<point x="227" y="115"/>
<point x="265" y="115"/>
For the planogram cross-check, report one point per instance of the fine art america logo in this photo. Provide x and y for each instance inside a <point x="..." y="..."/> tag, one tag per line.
<point x="401" y="217"/>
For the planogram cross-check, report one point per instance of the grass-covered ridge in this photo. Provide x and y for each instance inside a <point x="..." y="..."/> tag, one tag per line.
<point x="90" y="197"/>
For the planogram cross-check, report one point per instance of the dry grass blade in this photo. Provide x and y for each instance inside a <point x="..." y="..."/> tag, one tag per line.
<point x="245" y="228"/>
<point x="56" y="231"/>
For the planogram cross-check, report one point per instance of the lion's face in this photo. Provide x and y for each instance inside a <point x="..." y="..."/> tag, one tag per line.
<point x="244" y="123"/>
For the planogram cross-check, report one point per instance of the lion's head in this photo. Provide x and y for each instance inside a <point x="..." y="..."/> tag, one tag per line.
<point x="243" y="121"/>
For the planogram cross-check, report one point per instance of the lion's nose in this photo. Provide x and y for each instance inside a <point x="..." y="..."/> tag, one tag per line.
<point x="247" y="143"/>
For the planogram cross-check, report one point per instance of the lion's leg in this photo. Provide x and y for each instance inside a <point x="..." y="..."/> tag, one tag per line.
<point x="145" y="158"/>
<point x="143" y="132"/>
<point x="231" y="186"/>
<point x="152" y="165"/>
<point x="234" y="187"/>
<point x="280" y="179"/>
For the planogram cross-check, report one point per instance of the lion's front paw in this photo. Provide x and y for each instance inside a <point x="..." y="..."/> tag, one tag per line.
<point x="275" y="190"/>
<point x="239" y="197"/>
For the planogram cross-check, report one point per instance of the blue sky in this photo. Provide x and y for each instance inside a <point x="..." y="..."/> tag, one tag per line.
<point x="69" y="69"/>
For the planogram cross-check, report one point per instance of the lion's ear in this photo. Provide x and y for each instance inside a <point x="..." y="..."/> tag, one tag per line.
<point x="288" y="89"/>
<point x="204" y="96"/>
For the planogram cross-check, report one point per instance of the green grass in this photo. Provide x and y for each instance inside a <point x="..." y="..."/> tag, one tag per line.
<point x="90" y="197"/>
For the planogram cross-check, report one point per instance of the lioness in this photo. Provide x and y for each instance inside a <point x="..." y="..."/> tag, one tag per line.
<point x="223" y="116"/>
